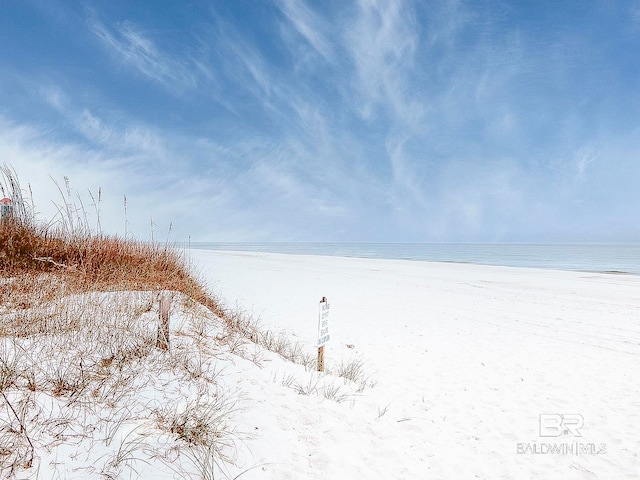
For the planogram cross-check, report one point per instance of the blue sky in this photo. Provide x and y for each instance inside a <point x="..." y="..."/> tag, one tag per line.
<point x="377" y="121"/>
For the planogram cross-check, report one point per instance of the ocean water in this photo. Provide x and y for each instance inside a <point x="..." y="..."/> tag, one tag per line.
<point x="583" y="257"/>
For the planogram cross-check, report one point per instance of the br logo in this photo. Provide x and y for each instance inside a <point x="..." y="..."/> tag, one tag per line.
<point x="559" y="424"/>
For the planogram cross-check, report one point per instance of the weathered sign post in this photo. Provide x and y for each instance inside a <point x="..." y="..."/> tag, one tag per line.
<point x="6" y="207"/>
<point x="163" y="325"/>
<point x="323" y="331"/>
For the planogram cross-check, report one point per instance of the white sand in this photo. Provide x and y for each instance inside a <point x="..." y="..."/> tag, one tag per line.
<point x="466" y="359"/>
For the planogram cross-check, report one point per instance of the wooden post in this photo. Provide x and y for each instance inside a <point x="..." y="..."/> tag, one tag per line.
<point x="321" y="359"/>
<point x="163" y="324"/>
<point x="321" y="341"/>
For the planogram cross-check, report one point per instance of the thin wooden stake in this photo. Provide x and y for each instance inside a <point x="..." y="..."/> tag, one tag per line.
<point x="321" y="359"/>
<point x="163" y="325"/>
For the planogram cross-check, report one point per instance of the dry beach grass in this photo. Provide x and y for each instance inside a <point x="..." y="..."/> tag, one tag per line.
<point x="77" y="324"/>
<point x="83" y="387"/>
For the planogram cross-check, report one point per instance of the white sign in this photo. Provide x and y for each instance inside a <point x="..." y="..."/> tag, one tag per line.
<point x="323" y="324"/>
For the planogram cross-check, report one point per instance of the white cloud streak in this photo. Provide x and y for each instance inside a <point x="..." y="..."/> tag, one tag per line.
<point x="130" y="46"/>
<point x="382" y="42"/>
<point x="309" y="25"/>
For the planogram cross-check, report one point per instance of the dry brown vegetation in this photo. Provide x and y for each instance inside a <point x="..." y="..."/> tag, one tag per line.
<point x="78" y="318"/>
<point x="78" y="337"/>
<point x="85" y="262"/>
<point x="74" y="259"/>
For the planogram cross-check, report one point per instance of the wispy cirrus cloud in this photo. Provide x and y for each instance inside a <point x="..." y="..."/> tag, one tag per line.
<point x="382" y="42"/>
<point x="309" y="25"/>
<point x="167" y="177"/>
<point x="132" y="47"/>
<point x="116" y="135"/>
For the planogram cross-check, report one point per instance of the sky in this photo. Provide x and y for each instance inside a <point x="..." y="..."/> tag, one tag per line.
<point x="328" y="120"/>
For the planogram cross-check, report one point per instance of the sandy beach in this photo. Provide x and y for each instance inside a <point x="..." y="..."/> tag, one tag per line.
<point x="182" y="184"/>
<point x="477" y="371"/>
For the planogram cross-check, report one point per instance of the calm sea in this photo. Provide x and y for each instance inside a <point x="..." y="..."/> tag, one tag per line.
<point x="593" y="258"/>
